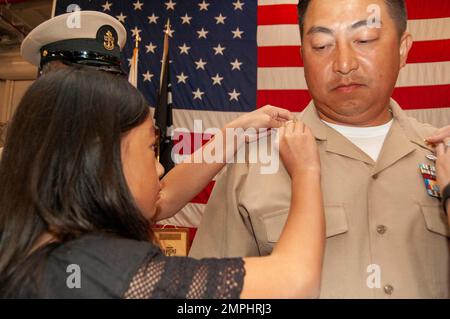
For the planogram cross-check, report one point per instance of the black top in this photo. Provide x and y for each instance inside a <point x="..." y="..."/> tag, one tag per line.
<point x="99" y="266"/>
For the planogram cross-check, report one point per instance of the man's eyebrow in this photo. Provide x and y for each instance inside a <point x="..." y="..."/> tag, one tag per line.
<point x="319" y="29"/>
<point x="361" y="23"/>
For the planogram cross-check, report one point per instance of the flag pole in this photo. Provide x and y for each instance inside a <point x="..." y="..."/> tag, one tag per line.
<point x="165" y="52"/>
<point x="164" y="61"/>
<point x="137" y="39"/>
<point x="53" y="8"/>
<point x="163" y="110"/>
<point x="132" y="77"/>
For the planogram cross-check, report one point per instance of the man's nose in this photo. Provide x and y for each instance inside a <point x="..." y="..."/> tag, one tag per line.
<point x="345" y="61"/>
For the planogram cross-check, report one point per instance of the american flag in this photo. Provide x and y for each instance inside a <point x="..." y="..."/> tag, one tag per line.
<point x="212" y="48"/>
<point x="233" y="56"/>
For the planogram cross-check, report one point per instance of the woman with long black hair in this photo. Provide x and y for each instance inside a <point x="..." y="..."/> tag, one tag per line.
<point x="80" y="189"/>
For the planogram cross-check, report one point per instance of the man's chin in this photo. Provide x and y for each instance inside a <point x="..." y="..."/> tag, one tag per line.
<point x="347" y="108"/>
<point x="349" y="113"/>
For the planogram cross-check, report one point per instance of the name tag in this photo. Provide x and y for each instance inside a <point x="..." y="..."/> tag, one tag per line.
<point x="173" y="241"/>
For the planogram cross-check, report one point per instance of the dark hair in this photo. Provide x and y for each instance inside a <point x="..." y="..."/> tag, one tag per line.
<point x="3" y="127"/>
<point x="396" y="8"/>
<point x="61" y="169"/>
<point x="58" y="64"/>
<point x="52" y="66"/>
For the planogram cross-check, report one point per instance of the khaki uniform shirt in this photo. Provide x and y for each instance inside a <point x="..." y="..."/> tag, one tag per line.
<point x="386" y="237"/>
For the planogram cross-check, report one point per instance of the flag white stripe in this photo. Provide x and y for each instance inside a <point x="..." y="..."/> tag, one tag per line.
<point x="283" y="78"/>
<point x="272" y="2"/>
<point x="438" y="117"/>
<point x="429" y="29"/>
<point x="416" y="74"/>
<point x="189" y="216"/>
<point x="424" y="74"/>
<point x="278" y="35"/>
<point x="184" y="118"/>
<point x="210" y="119"/>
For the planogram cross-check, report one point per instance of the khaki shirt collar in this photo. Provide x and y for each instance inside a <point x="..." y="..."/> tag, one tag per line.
<point x="401" y="140"/>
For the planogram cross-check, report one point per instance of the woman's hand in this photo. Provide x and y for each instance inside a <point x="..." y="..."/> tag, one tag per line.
<point x="298" y="149"/>
<point x="439" y="135"/>
<point x="443" y="163"/>
<point x="266" y="117"/>
<point x="175" y="195"/>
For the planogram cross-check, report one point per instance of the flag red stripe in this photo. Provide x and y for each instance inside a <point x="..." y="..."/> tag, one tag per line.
<point x="422" y="97"/>
<point x="277" y="14"/>
<point x="417" y="9"/>
<point x="430" y="51"/>
<point x="417" y="97"/>
<point x="282" y="56"/>
<point x="203" y="196"/>
<point x="293" y="100"/>
<point x="289" y="56"/>
<point x="430" y="9"/>
<point x="204" y="138"/>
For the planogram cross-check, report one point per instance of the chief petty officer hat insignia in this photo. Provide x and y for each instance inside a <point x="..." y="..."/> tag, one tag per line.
<point x="95" y="40"/>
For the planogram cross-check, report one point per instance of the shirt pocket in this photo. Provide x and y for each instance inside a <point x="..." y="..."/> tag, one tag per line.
<point x="435" y="219"/>
<point x="272" y="225"/>
<point x="336" y="220"/>
<point x="435" y="245"/>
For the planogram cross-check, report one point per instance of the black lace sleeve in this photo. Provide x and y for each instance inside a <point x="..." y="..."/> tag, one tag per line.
<point x="163" y="277"/>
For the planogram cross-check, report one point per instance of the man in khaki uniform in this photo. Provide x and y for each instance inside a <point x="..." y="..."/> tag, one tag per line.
<point x="386" y="236"/>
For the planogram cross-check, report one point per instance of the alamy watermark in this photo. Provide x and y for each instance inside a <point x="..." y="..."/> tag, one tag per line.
<point x="73" y="21"/>
<point x="374" y="19"/>
<point x="374" y="279"/>
<point x="74" y="279"/>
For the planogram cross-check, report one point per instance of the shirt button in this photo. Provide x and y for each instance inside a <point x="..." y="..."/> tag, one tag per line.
<point x="381" y="229"/>
<point x="388" y="289"/>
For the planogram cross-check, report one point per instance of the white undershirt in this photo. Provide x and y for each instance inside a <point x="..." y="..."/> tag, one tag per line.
<point x="369" y="139"/>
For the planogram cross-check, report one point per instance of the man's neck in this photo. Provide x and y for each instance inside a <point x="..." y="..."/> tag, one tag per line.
<point x="359" y="121"/>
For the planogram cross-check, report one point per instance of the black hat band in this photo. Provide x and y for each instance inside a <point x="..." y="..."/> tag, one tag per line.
<point x="82" y="51"/>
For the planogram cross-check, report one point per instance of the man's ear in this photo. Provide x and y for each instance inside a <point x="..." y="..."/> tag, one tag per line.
<point x="406" y="43"/>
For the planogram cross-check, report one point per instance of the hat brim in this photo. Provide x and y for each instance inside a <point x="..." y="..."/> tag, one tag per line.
<point x="60" y="28"/>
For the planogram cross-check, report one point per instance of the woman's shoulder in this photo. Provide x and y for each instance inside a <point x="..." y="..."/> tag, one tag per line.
<point x="107" y="246"/>
<point x="94" y="266"/>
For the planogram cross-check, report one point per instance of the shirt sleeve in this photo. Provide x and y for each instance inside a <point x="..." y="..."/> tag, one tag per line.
<point x="162" y="277"/>
<point x="226" y="229"/>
